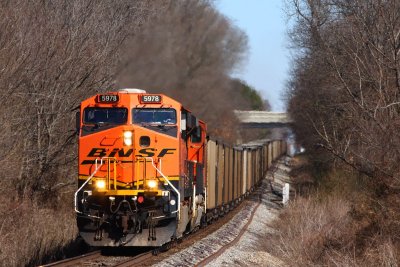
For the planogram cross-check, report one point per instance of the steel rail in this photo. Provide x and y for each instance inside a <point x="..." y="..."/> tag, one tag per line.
<point x="73" y="261"/>
<point x="219" y="252"/>
<point x="135" y="261"/>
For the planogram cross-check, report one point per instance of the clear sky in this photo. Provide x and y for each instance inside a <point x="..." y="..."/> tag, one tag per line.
<point x="268" y="63"/>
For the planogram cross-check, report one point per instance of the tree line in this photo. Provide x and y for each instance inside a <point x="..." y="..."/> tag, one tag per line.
<point x="54" y="54"/>
<point x="344" y="97"/>
<point x="344" y="93"/>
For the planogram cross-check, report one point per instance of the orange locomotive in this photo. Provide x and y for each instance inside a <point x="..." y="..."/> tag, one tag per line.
<point x="141" y="169"/>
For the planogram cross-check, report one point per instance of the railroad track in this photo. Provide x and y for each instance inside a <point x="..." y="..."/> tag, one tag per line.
<point x="216" y="254"/>
<point x="96" y="258"/>
<point x="135" y="261"/>
<point x="75" y="261"/>
<point x="209" y="248"/>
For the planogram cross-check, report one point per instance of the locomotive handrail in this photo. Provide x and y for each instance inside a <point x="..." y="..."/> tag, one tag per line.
<point x="83" y="185"/>
<point x="170" y="184"/>
<point x="109" y="172"/>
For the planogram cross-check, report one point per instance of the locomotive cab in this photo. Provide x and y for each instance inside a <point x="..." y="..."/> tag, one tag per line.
<point x="141" y="169"/>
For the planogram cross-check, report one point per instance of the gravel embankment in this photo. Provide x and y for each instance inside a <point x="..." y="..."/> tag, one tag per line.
<point x="248" y="249"/>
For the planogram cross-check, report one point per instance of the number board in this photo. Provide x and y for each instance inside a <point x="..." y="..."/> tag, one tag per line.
<point x="150" y="99"/>
<point x="107" y="99"/>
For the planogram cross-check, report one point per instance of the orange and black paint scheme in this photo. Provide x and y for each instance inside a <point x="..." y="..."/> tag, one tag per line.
<point x="141" y="169"/>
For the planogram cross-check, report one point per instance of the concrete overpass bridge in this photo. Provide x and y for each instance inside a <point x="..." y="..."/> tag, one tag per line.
<point x="278" y="123"/>
<point x="263" y="119"/>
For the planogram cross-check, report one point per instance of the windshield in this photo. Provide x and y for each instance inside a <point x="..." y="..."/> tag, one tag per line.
<point x="105" y="115"/>
<point x="154" y="116"/>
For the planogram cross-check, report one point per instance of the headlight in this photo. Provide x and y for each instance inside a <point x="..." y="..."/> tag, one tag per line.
<point x="152" y="183"/>
<point x="128" y="138"/>
<point x="101" y="184"/>
<point x="128" y="134"/>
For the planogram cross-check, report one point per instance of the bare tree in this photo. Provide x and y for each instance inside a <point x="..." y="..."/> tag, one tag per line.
<point x="189" y="54"/>
<point x="55" y="53"/>
<point x="346" y="83"/>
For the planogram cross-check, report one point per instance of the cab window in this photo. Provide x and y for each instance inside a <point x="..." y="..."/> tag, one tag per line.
<point x="164" y="116"/>
<point x="95" y="115"/>
<point x="196" y="136"/>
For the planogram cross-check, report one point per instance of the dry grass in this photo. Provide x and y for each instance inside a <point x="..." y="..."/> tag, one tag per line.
<point x="30" y="233"/>
<point x="341" y="221"/>
<point x="384" y="254"/>
<point x="313" y="231"/>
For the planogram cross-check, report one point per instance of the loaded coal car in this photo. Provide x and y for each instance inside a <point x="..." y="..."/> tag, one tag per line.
<point x="148" y="173"/>
<point x="234" y="172"/>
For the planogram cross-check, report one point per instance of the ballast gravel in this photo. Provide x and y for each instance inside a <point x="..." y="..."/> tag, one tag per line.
<point x="248" y="251"/>
<point x="212" y="243"/>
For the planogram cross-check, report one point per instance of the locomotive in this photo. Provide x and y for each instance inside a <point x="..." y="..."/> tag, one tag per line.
<point x="148" y="173"/>
<point x="139" y="156"/>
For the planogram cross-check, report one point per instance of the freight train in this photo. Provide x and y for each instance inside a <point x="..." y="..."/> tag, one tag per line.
<point x="148" y="172"/>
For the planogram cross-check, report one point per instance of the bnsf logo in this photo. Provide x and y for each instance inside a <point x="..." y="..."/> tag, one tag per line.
<point x="145" y="152"/>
